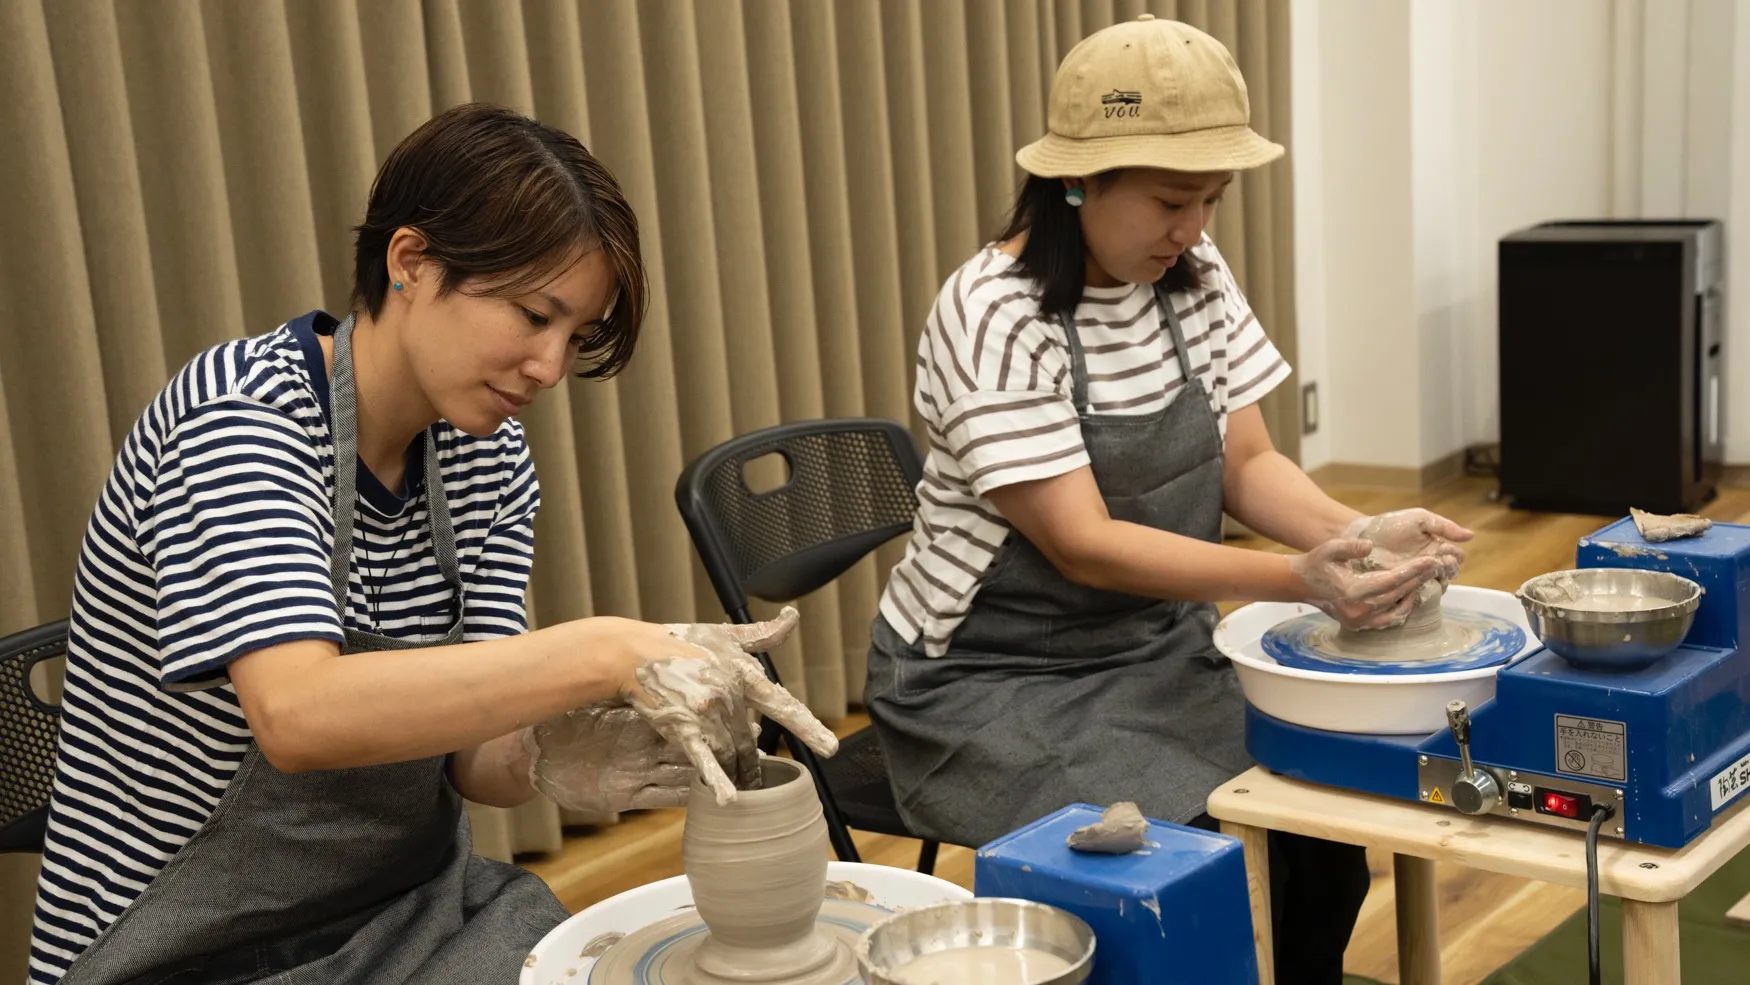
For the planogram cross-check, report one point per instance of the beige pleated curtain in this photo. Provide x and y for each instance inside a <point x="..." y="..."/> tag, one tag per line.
<point x="177" y="173"/>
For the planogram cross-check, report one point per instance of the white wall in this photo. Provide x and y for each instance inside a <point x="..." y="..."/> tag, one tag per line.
<point x="1426" y="131"/>
<point x="1307" y="158"/>
<point x="1737" y="372"/>
<point x="1366" y="236"/>
<point x="1443" y="167"/>
<point x="1542" y="151"/>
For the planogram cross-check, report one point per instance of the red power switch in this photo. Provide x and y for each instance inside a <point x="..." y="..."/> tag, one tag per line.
<point x="1575" y="806"/>
<point x="1557" y="803"/>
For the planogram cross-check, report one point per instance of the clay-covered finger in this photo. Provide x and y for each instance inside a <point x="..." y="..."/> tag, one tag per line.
<point x="759" y="637"/>
<point x="1403" y="591"/>
<point x="1441" y="527"/>
<point x="1353" y="549"/>
<point x="721" y="731"/>
<point x="1390" y="581"/>
<point x="1375" y="613"/>
<point x="670" y="753"/>
<point x="710" y="771"/>
<point x="677" y="776"/>
<point x="1391" y="615"/>
<point x="660" y="796"/>
<point x="743" y="757"/>
<point x="1380" y="613"/>
<point x="747" y="757"/>
<point x="782" y="707"/>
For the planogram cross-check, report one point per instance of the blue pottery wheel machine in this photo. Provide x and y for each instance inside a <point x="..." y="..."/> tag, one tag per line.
<point x="1656" y="729"/>
<point x="1666" y="745"/>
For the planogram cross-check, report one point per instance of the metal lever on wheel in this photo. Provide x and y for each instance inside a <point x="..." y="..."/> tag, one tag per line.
<point x="1475" y="791"/>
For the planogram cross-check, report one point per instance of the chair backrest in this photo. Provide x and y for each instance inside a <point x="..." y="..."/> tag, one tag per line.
<point x="852" y="486"/>
<point x="28" y="728"/>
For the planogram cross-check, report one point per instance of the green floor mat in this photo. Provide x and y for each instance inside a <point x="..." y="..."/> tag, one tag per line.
<point x="1714" y="952"/>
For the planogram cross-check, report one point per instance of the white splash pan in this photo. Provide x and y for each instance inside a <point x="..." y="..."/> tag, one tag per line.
<point x="556" y="961"/>
<point x="1389" y="704"/>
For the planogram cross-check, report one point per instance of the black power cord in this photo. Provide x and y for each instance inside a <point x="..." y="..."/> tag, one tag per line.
<point x="1600" y="814"/>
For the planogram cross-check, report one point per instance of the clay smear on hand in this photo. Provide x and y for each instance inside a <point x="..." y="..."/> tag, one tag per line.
<point x="706" y="699"/>
<point x="606" y="758"/>
<point x="1424" y="611"/>
<point x="1120" y="830"/>
<point x="1421" y="632"/>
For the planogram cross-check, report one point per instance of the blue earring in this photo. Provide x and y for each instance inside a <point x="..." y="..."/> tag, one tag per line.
<point x="397" y="285"/>
<point x="1074" y="197"/>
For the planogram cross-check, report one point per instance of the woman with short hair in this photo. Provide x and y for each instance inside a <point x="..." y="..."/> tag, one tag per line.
<point x="298" y="638"/>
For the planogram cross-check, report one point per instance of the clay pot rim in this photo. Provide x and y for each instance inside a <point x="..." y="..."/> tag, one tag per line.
<point x="765" y="793"/>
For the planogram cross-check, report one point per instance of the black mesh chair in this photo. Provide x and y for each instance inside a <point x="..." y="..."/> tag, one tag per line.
<point x="851" y="487"/>
<point x="28" y="726"/>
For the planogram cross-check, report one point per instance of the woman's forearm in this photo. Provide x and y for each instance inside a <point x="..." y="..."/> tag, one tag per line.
<point x="313" y="708"/>
<point x="1271" y="495"/>
<point x="1127" y="557"/>
<point x="495" y="772"/>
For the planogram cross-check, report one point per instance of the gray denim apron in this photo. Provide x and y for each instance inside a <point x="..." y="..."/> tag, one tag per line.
<point x="360" y="876"/>
<point x="1052" y="692"/>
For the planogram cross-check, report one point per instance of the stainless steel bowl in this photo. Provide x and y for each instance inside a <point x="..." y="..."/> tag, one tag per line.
<point x="1556" y="606"/>
<point x="980" y="922"/>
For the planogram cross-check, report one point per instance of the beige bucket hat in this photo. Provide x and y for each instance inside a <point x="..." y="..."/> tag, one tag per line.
<point x="1147" y="93"/>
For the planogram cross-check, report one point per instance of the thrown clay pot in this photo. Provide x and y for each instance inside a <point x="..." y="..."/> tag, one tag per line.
<point x="757" y="868"/>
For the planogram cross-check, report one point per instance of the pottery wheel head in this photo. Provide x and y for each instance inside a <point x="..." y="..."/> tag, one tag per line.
<point x="1462" y="639"/>
<point x="1438" y="641"/>
<point x="665" y="952"/>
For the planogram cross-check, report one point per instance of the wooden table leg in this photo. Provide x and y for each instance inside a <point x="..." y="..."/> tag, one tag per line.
<point x="1256" y="849"/>
<point x="1418" y="920"/>
<point x="1650" y="943"/>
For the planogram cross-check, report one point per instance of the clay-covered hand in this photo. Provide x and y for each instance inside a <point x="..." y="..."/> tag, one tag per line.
<point x="1414" y="533"/>
<point x="706" y="698"/>
<point x="605" y="759"/>
<point x="1338" y="578"/>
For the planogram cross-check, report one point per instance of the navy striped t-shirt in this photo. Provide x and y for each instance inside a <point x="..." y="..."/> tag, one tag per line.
<point x="212" y="540"/>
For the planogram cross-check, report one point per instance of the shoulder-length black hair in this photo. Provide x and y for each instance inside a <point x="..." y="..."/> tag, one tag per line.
<point x="1055" y="254"/>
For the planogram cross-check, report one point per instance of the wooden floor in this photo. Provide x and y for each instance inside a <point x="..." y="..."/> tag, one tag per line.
<point x="1485" y="919"/>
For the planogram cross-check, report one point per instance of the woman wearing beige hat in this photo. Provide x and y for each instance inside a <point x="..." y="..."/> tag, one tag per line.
<point x="1090" y="382"/>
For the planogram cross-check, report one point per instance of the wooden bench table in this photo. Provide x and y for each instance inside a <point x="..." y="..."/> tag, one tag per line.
<point x="1649" y="881"/>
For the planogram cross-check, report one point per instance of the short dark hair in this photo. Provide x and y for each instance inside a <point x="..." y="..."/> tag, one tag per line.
<point x="496" y="194"/>
<point x="1055" y="255"/>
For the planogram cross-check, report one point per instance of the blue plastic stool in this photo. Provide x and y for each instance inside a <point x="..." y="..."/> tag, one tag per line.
<point x="1176" y="912"/>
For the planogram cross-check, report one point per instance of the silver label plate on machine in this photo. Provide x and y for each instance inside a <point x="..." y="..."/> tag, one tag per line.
<point x="1591" y="747"/>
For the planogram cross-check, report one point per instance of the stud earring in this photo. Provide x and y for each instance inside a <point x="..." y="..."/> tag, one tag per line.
<point x="397" y="285"/>
<point x="1075" y="197"/>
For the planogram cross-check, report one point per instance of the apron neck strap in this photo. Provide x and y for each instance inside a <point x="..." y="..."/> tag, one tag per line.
<point x="1170" y="319"/>
<point x="1078" y="361"/>
<point x="343" y="429"/>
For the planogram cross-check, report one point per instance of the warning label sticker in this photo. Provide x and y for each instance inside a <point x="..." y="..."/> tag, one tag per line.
<point x="1435" y="798"/>
<point x="1591" y="747"/>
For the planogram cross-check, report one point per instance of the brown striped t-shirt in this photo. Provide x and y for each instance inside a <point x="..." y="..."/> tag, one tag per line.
<point x="993" y="383"/>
